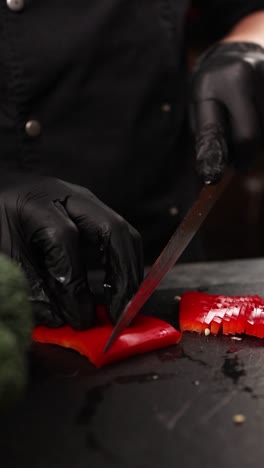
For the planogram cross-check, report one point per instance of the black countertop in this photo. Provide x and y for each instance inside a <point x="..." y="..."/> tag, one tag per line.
<point x="168" y="408"/>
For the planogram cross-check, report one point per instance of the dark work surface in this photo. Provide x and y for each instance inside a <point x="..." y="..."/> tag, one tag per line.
<point x="168" y="408"/>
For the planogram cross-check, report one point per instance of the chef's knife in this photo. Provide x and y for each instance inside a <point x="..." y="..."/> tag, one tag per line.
<point x="171" y="253"/>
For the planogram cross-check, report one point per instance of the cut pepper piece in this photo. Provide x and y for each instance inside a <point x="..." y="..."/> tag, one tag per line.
<point x="145" y="334"/>
<point x="196" y="310"/>
<point x="259" y="324"/>
<point x="233" y="319"/>
<point x="235" y="314"/>
<point x="258" y="329"/>
<point x="216" y="325"/>
<point x="226" y="324"/>
<point x="253" y="324"/>
<point x="242" y="318"/>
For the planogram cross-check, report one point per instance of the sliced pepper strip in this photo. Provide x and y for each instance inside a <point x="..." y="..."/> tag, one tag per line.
<point x="145" y="334"/>
<point x="259" y="322"/>
<point x="234" y="314"/>
<point x="216" y="325"/>
<point x="196" y="308"/>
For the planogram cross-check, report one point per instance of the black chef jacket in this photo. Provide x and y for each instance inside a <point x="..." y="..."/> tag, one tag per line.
<point x="95" y="92"/>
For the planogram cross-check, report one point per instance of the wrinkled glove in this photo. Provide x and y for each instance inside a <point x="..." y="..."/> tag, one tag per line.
<point x="227" y="107"/>
<point x="45" y="223"/>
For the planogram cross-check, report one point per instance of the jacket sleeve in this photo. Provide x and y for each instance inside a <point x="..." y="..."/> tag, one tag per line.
<point x="219" y="16"/>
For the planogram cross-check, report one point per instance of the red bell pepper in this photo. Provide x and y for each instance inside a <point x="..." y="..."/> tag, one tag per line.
<point x="215" y="325"/>
<point x="238" y="314"/>
<point x="195" y="311"/>
<point x="145" y="334"/>
<point x="259" y="322"/>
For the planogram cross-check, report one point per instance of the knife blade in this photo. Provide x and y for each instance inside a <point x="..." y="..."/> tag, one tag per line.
<point x="171" y="253"/>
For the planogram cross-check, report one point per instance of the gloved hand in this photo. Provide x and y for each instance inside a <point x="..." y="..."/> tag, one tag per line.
<point x="227" y="107"/>
<point x="44" y="225"/>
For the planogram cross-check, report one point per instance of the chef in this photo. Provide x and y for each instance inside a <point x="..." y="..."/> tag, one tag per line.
<point x="95" y="140"/>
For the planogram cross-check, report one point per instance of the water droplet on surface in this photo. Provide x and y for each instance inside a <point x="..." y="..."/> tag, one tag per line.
<point x="233" y="368"/>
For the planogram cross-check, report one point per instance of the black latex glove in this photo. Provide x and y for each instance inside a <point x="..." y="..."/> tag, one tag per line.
<point x="227" y="107"/>
<point x="44" y="225"/>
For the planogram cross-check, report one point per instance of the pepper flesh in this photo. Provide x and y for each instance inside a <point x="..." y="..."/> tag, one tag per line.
<point x="145" y="334"/>
<point x="231" y="314"/>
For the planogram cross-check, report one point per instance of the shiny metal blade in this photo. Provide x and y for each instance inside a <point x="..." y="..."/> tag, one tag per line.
<point x="171" y="253"/>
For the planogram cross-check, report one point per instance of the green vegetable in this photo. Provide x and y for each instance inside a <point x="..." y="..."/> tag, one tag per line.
<point x="13" y="374"/>
<point x="15" y="331"/>
<point x="15" y="310"/>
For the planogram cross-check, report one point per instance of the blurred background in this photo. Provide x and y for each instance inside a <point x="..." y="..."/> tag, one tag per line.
<point x="235" y="228"/>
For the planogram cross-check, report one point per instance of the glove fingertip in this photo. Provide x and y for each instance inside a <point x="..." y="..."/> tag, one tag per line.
<point x="113" y="314"/>
<point x="116" y="308"/>
<point x="211" y="159"/>
<point x="78" y="309"/>
<point x="46" y="315"/>
<point x="87" y="316"/>
<point x="209" y="174"/>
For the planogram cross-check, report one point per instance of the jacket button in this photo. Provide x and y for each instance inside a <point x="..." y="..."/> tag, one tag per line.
<point x="173" y="211"/>
<point x="33" y="128"/>
<point x="15" y="5"/>
<point x="166" y="107"/>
